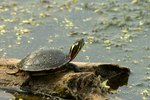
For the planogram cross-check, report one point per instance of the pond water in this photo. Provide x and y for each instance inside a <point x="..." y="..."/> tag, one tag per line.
<point x="116" y="31"/>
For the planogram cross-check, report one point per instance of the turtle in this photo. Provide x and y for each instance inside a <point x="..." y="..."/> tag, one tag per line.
<point x="45" y="61"/>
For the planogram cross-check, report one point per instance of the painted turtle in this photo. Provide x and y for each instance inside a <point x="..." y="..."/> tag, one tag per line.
<point x="45" y="61"/>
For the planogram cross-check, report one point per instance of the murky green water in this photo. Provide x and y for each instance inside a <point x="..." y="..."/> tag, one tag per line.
<point x="116" y="31"/>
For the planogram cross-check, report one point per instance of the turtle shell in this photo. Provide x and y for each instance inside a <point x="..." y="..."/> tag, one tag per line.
<point x="43" y="60"/>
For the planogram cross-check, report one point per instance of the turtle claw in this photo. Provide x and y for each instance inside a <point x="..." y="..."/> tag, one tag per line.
<point x="26" y="89"/>
<point x="25" y="85"/>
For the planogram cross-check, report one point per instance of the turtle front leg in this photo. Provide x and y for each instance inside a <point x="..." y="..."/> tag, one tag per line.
<point x="73" y="67"/>
<point x="25" y="85"/>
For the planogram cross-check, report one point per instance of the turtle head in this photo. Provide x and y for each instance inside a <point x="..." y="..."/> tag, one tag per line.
<point x="75" y="48"/>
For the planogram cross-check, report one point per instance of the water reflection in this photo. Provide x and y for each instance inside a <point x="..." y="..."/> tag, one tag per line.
<point x="6" y="96"/>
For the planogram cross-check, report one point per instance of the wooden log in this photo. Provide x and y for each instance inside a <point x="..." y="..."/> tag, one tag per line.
<point x="85" y="85"/>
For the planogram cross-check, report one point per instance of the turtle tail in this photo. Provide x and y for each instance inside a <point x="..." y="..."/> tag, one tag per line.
<point x="12" y="70"/>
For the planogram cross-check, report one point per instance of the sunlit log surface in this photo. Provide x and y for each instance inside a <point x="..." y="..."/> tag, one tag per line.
<point x="84" y="85"/>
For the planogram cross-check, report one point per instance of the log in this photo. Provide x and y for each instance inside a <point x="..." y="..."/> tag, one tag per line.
<point x="84" y="85"/>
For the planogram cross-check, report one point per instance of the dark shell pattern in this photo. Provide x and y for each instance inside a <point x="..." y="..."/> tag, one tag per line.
<point x="41" y="60"/>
